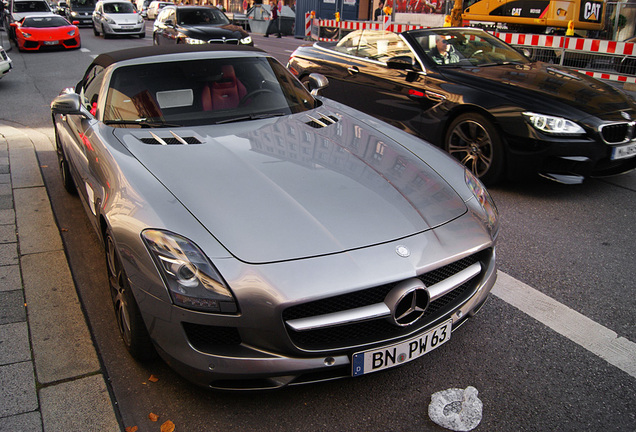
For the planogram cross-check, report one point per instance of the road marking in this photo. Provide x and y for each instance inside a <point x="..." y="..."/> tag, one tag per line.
<point x="592" y="336"/>
<point x="86" y="50"/>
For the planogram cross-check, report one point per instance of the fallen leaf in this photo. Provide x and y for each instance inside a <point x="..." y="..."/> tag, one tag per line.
<point x="64" y="229"/>
<point x="153" y="417"/>
<point x="153" y="378"/>
<point x="131" y="429"/>
<point x="168" y="426"/>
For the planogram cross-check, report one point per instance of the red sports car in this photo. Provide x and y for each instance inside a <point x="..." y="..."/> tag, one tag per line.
<point x="38" y="31"/>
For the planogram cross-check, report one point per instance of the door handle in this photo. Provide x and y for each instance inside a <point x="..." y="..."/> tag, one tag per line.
<point x="353" y="70"/>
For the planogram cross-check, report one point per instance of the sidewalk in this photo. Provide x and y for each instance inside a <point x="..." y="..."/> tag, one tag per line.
<point x="50" y="375"/>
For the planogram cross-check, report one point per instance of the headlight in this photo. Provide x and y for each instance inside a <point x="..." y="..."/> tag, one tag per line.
<point x="485" y="201"/>
<point x="192" y="280"/>
<point x="246" y="40"/>
<point x="74" y="13"/>
<point x="26" y="35"/>
<point x="553" y="125"/>
<point x="140" y="20"/>
<point x="192" y="41"/>
<point x="71" y="33"/>
<point x="109" y="20"/>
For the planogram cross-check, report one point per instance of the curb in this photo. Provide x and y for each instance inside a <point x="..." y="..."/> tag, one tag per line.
<point x="50" y="375"/>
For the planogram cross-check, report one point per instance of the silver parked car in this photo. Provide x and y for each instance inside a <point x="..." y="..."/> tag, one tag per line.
<point x="117" y="17"/>
<point x="258" y="235"/>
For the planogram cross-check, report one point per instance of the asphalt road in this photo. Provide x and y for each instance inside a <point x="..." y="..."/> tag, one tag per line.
<point x="574" y="244"/>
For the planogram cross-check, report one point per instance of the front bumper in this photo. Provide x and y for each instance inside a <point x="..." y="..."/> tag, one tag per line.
<point x="257" y="349"/>
<point x="563" y="158"/>
<point x="33" y="45"/>
<point x="123" y="29"/>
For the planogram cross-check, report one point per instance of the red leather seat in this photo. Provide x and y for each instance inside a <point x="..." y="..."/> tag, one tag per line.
<point x="225" y="93"/>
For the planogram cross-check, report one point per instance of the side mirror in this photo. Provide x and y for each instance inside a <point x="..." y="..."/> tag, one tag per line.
<point x="69" y="103"/>
<point x="400" y="63"/>
<point x="169" y="23"/>
<point x="14" y="24"/>
<point x="75" y="23"/>
<point x="317" y="82"/>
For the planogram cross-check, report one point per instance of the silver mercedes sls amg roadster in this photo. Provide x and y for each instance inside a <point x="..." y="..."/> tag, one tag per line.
<point x="258" y="235"/>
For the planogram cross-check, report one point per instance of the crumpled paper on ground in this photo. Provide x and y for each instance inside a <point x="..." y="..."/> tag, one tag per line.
<point x="459" y="410"/>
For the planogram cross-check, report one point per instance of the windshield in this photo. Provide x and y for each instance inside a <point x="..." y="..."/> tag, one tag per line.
<point x="82" y="4"/>
<point x="30" y="6"/>
<point x="202" y="16"/>
<point x="206" y="91"/>
<point x="465" y="47"/>
<point x="44" y="22"/>
<point x="118" y="8"/>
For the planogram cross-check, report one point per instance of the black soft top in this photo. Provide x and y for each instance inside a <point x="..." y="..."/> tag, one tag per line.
<point x="109" y="58"/>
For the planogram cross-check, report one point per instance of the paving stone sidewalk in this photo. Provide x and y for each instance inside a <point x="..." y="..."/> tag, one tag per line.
<point x="50" y="376"/>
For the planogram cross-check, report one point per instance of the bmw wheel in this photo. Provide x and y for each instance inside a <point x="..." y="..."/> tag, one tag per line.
<point x="474" y="141"/>
<point x="129" y="320"/>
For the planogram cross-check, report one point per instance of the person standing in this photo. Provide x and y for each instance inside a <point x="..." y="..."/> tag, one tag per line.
<point x="274" y="23"/>
<point x="379" y="11"/>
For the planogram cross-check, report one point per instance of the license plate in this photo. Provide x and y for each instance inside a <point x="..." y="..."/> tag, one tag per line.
<point x="127" y="27"/>
<point x="51" y="42"/>
<point x="393" y="355"/>
<point x="623" y="152"/>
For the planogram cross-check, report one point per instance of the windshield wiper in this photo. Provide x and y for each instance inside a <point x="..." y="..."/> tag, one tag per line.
<point x="143" y="122"/>
<point x="251" y="117"/>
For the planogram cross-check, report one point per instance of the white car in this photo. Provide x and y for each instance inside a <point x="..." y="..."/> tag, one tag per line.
<point x="19" y="9"/>
<point x="117" y="17"/>
<point x="5" y="63"/>
<point x="155" y="7"/>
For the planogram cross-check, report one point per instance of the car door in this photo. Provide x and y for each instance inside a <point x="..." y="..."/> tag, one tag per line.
<point x="362" y="79"/>
<point x="165" y="31"/>
<point x="81" y="137"/>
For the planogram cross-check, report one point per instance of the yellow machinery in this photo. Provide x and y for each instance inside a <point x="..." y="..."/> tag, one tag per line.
<point x="520" y="14"/>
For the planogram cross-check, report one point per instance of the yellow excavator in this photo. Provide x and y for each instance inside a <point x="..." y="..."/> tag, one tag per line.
<point x="536" y="16"/>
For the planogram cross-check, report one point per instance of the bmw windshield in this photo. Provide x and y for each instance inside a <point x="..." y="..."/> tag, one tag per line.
<point x="465" y="47"/>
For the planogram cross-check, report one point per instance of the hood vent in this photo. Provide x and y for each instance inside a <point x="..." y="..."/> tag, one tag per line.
<point x="322" y="122"/>
<point x="171" y="140"/>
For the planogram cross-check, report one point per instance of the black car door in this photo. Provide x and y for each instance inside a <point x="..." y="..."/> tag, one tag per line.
<point x="362" y="78"/>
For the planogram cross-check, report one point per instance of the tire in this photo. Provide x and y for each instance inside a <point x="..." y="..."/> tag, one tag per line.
<point x="142" y="35"/>
<point x="65" y="172"/>
<point x="475" y="142"/>
<point x="155" y="41"/>
<point x="95" y="32"/>
<point x="132" y="328"/>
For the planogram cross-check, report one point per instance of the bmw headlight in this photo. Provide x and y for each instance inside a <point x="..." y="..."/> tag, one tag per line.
<point x="553" y="125"/>
<point x="246" y="40"/>
<point x="192" y="280"/>
<point x="485" y="201"/>
<point x="192" y="41"/>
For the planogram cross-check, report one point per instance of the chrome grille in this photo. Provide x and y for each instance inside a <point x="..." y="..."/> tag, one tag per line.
<point x="617" y="133"/>
<point x="343" y="336"/>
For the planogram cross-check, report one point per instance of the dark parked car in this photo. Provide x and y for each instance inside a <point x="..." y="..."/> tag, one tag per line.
<point x="197" y="25"/>
<point x="80" y="10"/>
<point x="489" y="106"/>
<point x="258" y="236"/>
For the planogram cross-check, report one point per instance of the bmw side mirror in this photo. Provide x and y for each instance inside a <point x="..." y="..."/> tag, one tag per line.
<point x="69" y="103"/>
<point x="400" y="63"/>
<point x="317" y="82"/>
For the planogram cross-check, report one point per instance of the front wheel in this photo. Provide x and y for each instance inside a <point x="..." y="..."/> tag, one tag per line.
<point x="132" y="328"/>
<point x="475" y="142"/>
<point x="65" y="171"/>
<point x="95" y="32"/>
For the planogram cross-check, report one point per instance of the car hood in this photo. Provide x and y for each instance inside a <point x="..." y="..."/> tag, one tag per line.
<point x="206" y="32"/>
<point x="124" y="18"/>
<point x="288" y="188"/>
<point x="531" y="85"/>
